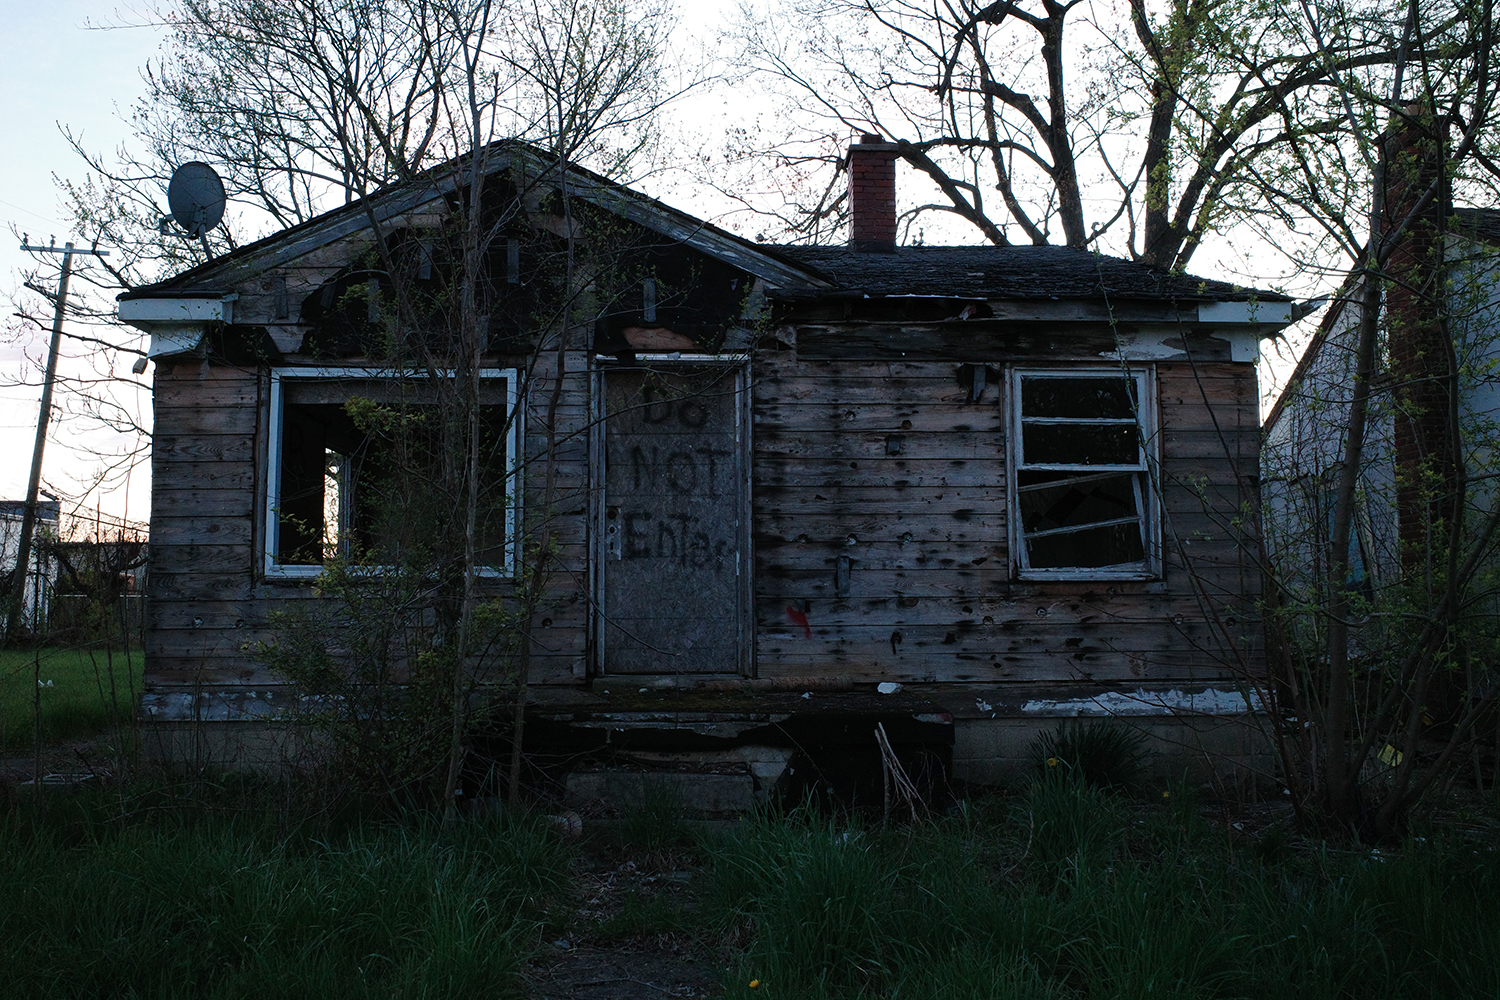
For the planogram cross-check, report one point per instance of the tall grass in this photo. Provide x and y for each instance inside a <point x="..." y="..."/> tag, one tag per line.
<point x="1072" y="892"/>
<point x="82" y="692"/>
<point x="222" y="907"/>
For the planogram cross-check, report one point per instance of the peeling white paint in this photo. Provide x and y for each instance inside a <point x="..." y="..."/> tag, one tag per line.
<point x="174" y="341"/>
<point x="1134" y="347"/>
<point x="939" y="718"/>
<point x="1143" y="702"/>
<point x="1243" y="346"/>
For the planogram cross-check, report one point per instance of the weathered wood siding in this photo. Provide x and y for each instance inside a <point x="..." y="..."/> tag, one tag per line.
<point x="889" y="468"/>
<point x="209" y="602"/>
<point x="202" y="608"/>
<point x="559" y="654"/>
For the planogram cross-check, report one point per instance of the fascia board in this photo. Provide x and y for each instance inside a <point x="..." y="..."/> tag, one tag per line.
<point x="149" y="313"/>
<point x="1257" y="313"/>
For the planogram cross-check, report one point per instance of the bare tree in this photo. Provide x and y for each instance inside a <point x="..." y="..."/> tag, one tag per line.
<point x="1146" y="131"/>
<point x="1317" y="130"/>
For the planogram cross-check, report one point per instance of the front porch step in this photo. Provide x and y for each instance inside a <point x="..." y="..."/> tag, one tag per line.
<point x="699" y="795"/>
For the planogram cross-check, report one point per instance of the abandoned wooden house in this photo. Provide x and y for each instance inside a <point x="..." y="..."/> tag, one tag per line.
<point x="960" y="491"/>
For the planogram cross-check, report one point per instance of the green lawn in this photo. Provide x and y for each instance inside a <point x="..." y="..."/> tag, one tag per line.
<point x="83" y="691"/>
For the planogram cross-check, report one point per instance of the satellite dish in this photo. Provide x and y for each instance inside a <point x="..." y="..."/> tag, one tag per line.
<point x="196" y="197"/>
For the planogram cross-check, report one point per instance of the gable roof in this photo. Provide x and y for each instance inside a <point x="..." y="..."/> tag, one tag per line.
<point x="280" y="248"/>
<point x="1019" y="273"/>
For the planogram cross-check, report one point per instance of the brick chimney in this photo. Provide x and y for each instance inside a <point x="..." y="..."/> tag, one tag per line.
<point x="1415" y="147"/>
<point x="872" y="195"/>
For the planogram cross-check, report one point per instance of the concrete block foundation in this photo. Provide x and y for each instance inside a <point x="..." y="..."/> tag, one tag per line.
<point x="1225" y="751"/>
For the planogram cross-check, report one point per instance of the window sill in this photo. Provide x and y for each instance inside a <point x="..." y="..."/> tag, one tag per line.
<point x="1055" y="587"/>
<point x="306" y="574"/>
<point x="1082" y="575"/>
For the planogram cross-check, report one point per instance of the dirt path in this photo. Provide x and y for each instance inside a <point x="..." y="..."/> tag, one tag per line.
<point x="621" y="973"/>
<point x="68" y="762"/>
<point x="629" y="935"/>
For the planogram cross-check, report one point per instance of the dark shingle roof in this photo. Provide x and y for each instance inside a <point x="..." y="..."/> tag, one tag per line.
<point x="1013" y="272"/>
<point x="1480" y="223"/>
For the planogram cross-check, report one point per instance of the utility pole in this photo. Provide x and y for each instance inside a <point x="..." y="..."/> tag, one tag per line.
<point x="34" y="485"/>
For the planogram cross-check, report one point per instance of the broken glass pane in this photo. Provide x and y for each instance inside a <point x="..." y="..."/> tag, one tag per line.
<point x="1090" y="548"/>
<point x="1080" y="444"/>
<point x="1052" y="500"/>
<point x="335" y="515"/>
<point x="1078" y="397"/>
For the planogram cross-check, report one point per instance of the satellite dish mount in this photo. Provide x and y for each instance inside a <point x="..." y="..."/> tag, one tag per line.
<point x="195" y="196"/>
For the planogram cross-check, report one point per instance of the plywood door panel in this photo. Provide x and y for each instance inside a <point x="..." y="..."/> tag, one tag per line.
<point x="674" y="506"/>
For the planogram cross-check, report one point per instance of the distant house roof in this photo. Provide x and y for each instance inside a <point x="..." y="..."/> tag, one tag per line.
<point x="1480" y="223"/>
<point x="1005" y="272"/>
<point x="46" y="510"/>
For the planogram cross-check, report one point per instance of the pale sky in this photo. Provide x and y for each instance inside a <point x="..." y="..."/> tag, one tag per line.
<point x="60" y="69"/>
<point x="55" y="70"/>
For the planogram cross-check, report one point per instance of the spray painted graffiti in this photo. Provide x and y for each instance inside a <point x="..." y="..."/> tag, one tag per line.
<point x="684" y="471"/>
<point x="655" y="410"/>
<point x="673" y="537"/>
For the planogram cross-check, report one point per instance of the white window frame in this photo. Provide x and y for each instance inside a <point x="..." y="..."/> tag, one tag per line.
<point x="287" y="571"/>
<point x="1146" y="469"/>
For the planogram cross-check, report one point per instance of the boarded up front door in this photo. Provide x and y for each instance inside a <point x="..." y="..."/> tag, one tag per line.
<point x="675" y="502"/>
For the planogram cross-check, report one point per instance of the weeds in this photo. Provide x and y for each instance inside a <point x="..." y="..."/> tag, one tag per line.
<point x="1071" y="824"/>
<point x="1066" y="892"/>
<point x="1071" y="891"/>
<point x="653" y="819"/>
<point x="1102" y="753"/>
<point x="173" y="905"/>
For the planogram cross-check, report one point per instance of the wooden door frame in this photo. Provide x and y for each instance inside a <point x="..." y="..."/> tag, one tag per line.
<point x="745" y="561"/>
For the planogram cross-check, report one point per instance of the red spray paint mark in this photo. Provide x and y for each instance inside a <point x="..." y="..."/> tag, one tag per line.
<point x="800" y="620"/>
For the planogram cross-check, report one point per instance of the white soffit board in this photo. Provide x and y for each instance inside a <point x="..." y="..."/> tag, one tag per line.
<point x="1258" y="313"/>
<point x="146" y="312"/>
<point x="176" y="324"/>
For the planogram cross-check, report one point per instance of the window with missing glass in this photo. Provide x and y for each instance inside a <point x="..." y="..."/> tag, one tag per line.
<point x="355" y="463"/>
<point x="1081" y="498"/>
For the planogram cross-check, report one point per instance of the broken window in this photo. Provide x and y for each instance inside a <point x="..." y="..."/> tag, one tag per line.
<point x="1082" y="505"/>
<point x="355" y="464"/>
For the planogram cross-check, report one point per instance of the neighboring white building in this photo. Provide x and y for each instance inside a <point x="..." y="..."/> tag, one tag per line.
<point x="1306" y="430"/>
<point x="42" y="576"/>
